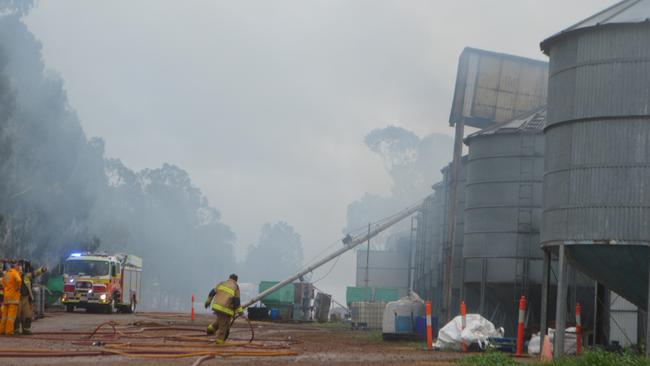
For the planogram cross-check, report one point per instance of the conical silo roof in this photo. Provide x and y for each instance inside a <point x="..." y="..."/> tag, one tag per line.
<point x="624" y="12"/>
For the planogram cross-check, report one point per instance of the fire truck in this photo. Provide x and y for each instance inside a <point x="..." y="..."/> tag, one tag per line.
<point x="102" y="282"/>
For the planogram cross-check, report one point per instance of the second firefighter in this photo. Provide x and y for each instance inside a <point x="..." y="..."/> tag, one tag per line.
<point x="225" y="300"/>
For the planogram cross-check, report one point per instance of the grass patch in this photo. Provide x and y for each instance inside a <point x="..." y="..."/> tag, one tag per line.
<point x="421" y="345"/>
<point x="602" y="358"/>
<point x="489" y="358"/>
<point x="590" y="358"/>
<point x="375" y="336"/>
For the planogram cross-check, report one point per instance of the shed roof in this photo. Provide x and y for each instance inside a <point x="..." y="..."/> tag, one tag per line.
<point x="530" y="122"/>
<point x="624" y="12"/>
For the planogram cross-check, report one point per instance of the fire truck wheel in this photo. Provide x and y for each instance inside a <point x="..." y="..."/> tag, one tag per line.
<point x="69" y="308"/>
<point x="132" y="306"/>
<point x="110" y="307"/>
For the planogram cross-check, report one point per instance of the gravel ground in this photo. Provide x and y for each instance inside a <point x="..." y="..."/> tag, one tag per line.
<point x="311" y="344"/>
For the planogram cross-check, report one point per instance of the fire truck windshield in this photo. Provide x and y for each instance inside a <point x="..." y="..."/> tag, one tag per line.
<point x="80" y="267"/>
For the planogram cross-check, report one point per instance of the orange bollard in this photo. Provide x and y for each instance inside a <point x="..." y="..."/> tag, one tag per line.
<point x="429" y="330"/>
<point x="520" y="327"/>
<point x="192" y="307"/>
<point x="463" y="322"/>
<point x="578" y="329"/>
<point x="547" y="354"/>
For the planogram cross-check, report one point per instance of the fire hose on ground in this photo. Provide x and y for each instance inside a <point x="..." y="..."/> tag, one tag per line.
<point x="175" y="346"/>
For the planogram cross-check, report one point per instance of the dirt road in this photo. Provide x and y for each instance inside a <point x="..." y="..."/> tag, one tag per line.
<point x="147" y="337"/>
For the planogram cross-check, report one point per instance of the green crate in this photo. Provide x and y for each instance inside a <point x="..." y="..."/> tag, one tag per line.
<point x="55" y="284"/>
<point x="358" y="294"/>
<point x="55" y="287"/>
<point x="386" y="294"/>
<point x="285" y="295"/>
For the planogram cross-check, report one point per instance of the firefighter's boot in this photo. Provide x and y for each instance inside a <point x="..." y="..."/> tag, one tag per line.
<point x="27" y="326"/>
<point x="210" y="330"/>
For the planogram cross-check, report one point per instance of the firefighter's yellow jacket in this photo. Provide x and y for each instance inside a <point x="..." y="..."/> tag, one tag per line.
<point x="11" y="283"/>
<point x="26" y="288"/>
<point x="225" y="298"/>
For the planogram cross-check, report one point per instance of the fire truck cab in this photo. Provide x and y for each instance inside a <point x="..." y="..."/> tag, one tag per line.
<point x="102" y="282"/>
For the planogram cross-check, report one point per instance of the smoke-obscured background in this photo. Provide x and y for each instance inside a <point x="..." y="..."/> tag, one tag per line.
<point x="231" y="136"/>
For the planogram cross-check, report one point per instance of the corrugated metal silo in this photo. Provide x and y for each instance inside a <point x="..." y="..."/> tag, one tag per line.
<point x="501" y="254"/>
<point x="598" y="147"/>
<point x="597" y="165"/>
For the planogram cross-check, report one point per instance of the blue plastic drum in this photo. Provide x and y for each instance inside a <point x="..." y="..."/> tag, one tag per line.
<point x="275" y="313"/>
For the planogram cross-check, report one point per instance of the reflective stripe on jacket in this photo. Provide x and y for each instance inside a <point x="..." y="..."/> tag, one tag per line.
<point x="26" y="287"/>
<point x="223" y="309"/>
<point x="11" y="282"/>
<point x="225" y="292"/>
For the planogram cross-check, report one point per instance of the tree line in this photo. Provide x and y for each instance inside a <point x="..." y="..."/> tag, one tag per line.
<point x="60" y="193"/>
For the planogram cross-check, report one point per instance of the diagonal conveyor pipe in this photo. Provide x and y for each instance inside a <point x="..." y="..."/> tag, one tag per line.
<point x="349" y="243"/>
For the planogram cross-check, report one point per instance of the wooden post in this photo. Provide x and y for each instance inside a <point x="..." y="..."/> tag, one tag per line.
<point x="451" y="224"/>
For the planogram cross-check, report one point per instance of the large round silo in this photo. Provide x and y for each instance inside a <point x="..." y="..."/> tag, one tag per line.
<point x="501" y="254"/>
<point x="427" y="249"/>
<point x="597" y="164"/>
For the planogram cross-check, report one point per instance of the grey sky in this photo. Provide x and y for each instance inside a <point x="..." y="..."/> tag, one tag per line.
<point x="266" y="103"/>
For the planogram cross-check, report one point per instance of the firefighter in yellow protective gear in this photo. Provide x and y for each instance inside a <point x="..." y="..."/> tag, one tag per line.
<point x="11" y="282"/>
<point x="225" y="304"/>
<point x="25" y="310"/>
<point x="4" y="266"/>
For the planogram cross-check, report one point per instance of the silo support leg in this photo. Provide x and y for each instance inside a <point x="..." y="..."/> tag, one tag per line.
<point x="647" y="318"/>
<point x="546" y="266"/>
<point x="483" y="285"/>
<point x="602" y="315"/>
<point x="560" y="306"/>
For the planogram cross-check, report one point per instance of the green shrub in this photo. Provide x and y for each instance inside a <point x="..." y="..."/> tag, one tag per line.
<point x="488" y="359"/>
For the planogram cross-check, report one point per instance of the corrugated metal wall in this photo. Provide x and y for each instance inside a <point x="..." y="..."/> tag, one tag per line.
<point x="598" y="136"/>
<point x="457" y="261"/>
<point x="623" y="321"/>
<point x="432" y="242"/>
<point x="387" y="269"/>
<point x="501" y="253"/>
<point x="428" y="249"/>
